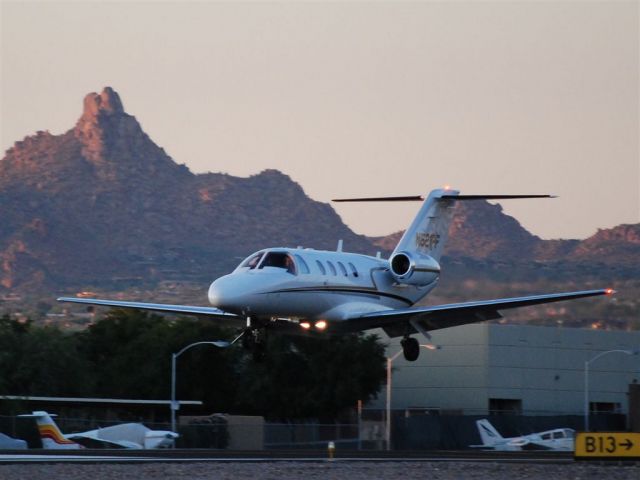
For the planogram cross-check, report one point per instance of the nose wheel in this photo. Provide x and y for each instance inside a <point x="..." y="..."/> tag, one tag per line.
<point x="410" y="348"/>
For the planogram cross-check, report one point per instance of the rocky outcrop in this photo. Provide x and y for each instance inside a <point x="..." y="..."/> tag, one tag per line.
<point x="103" y="202"/>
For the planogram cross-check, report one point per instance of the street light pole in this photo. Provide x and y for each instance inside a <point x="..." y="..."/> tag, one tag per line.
<point x="387" y="430"/>
<point x="586" y="380"/>
<point x="175" y="405"/>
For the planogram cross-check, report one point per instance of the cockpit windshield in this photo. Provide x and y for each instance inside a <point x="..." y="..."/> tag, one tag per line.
<point x="252" y="261"/>
<point x="279" y="260"/>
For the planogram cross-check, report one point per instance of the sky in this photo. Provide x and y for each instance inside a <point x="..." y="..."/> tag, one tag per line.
<point x="357" y="98"/>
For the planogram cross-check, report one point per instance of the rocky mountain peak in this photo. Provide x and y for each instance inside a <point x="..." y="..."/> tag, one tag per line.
<point x="108" y="102"/>
<point x="102" y="123"/>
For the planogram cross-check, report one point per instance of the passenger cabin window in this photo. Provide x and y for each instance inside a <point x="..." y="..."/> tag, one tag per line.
<point x="353" y="269"/>
<point x="342" y="269"/>
<point x="252" y="261"/>
<point x="321" y="267"/>
<point x="332" y="268"/>
<point x="304" y="268"/>
<point x="279" y="260"/>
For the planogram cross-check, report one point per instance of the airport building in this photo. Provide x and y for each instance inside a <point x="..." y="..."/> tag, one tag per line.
<point x="486" y="369"/>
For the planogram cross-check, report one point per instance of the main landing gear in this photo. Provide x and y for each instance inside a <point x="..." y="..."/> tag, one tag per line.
<point x="410" y="348"/>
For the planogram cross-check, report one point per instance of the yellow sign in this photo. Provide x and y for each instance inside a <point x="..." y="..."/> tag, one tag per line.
<point x="607" y="445"/>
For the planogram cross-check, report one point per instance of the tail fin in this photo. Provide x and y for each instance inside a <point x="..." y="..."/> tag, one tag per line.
<point x="429" y="230"/>
<point x="488" y="433"/>
<point x="50" y="434"/>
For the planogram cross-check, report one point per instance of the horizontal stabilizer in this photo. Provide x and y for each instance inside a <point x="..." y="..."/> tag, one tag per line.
<point x="420" y="198"/>
<point x="414" y="198"/>
<point x="493" y="197"/>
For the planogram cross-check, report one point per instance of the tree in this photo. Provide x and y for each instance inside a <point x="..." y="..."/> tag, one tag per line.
<point x="312" y="377"/>
<point x="40" y="361"/>
<point x="127" y="354"/>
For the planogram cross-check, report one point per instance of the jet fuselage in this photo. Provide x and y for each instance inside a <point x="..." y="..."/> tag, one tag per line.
<point x="313" y="285"/>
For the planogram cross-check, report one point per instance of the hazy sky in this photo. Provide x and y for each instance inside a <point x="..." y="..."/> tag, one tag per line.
<point x="354" y="99"/>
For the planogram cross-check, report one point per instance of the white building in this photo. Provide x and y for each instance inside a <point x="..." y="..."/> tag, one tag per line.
<point x="518" y="368"/>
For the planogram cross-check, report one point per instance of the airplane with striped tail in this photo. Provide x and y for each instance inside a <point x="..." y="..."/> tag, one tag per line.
<point x="124" y="435"/>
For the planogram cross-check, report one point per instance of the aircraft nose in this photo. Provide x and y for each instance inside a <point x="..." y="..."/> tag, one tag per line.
<point x="224" y="294"/>
<point x="216" y="292"/>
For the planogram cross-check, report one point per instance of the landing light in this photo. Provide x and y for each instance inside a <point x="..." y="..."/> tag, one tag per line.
<point x="305" y="325"/>
<point x="609" y="291"/>
<point x="321" y="324"/>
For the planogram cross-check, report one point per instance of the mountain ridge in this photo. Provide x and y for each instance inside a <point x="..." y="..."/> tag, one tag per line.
<point x="102" y="201"/>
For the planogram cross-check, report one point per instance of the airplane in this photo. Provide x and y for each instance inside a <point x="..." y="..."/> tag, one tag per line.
<point x="561" y="439"/>
<point x="10" y="443"/>
<point x="125" y="435"/>
<point x="313" y="292"/>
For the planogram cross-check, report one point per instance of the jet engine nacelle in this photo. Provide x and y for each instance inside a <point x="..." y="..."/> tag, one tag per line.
<point x="413" y="269"/>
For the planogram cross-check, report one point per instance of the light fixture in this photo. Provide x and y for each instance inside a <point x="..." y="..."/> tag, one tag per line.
<point x="321" y="324"/>
<point x="305" y="325"/>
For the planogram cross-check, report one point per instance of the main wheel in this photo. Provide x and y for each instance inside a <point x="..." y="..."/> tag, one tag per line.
<point x="410" y="349"/>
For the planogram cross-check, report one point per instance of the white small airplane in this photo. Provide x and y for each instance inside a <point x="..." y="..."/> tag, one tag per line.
<point x="306" y="291"/>
<point x="561" y="439"/>
<point x="125" y="435"/>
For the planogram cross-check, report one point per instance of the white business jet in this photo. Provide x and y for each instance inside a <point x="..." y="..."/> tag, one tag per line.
<point x="561" y="439"/>
<point x="306" y="291"/>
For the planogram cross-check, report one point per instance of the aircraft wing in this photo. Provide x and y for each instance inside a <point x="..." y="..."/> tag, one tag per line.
<point x="411" y="320"/>
<point x="209" y="312"/>
<point x="92" y="441"/>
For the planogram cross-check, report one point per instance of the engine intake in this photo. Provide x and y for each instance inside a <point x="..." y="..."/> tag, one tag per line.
<point x="418" y="270"/>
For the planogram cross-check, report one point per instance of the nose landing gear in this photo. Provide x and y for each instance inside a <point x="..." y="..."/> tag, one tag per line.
<point x="254" y="340"/>
<point x="410" y="348"/>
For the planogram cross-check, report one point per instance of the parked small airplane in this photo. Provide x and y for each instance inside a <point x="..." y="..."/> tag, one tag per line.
<point x="306" y="291"/>
<point x="125" y="435"/>
<point x="10" y="443"/>
<point x="558" y="439"/>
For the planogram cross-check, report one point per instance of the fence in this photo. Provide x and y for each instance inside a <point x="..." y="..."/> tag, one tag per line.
<point x="413" y="432"/>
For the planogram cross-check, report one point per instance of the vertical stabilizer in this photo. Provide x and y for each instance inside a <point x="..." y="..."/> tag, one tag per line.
<point x="50" y="435"/>
<point x="489" y="435"/>
<point x="429" y="230"/>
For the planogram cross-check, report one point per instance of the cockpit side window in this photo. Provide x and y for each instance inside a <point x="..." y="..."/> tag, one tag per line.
<point x="304" y="268"/>
<point x="252" y="261"/>
<point x="279" y="260"/>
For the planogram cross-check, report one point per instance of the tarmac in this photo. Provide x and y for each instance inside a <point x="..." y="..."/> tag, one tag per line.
<point x="363" y="469"/>
<point x="310" y="465"/>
